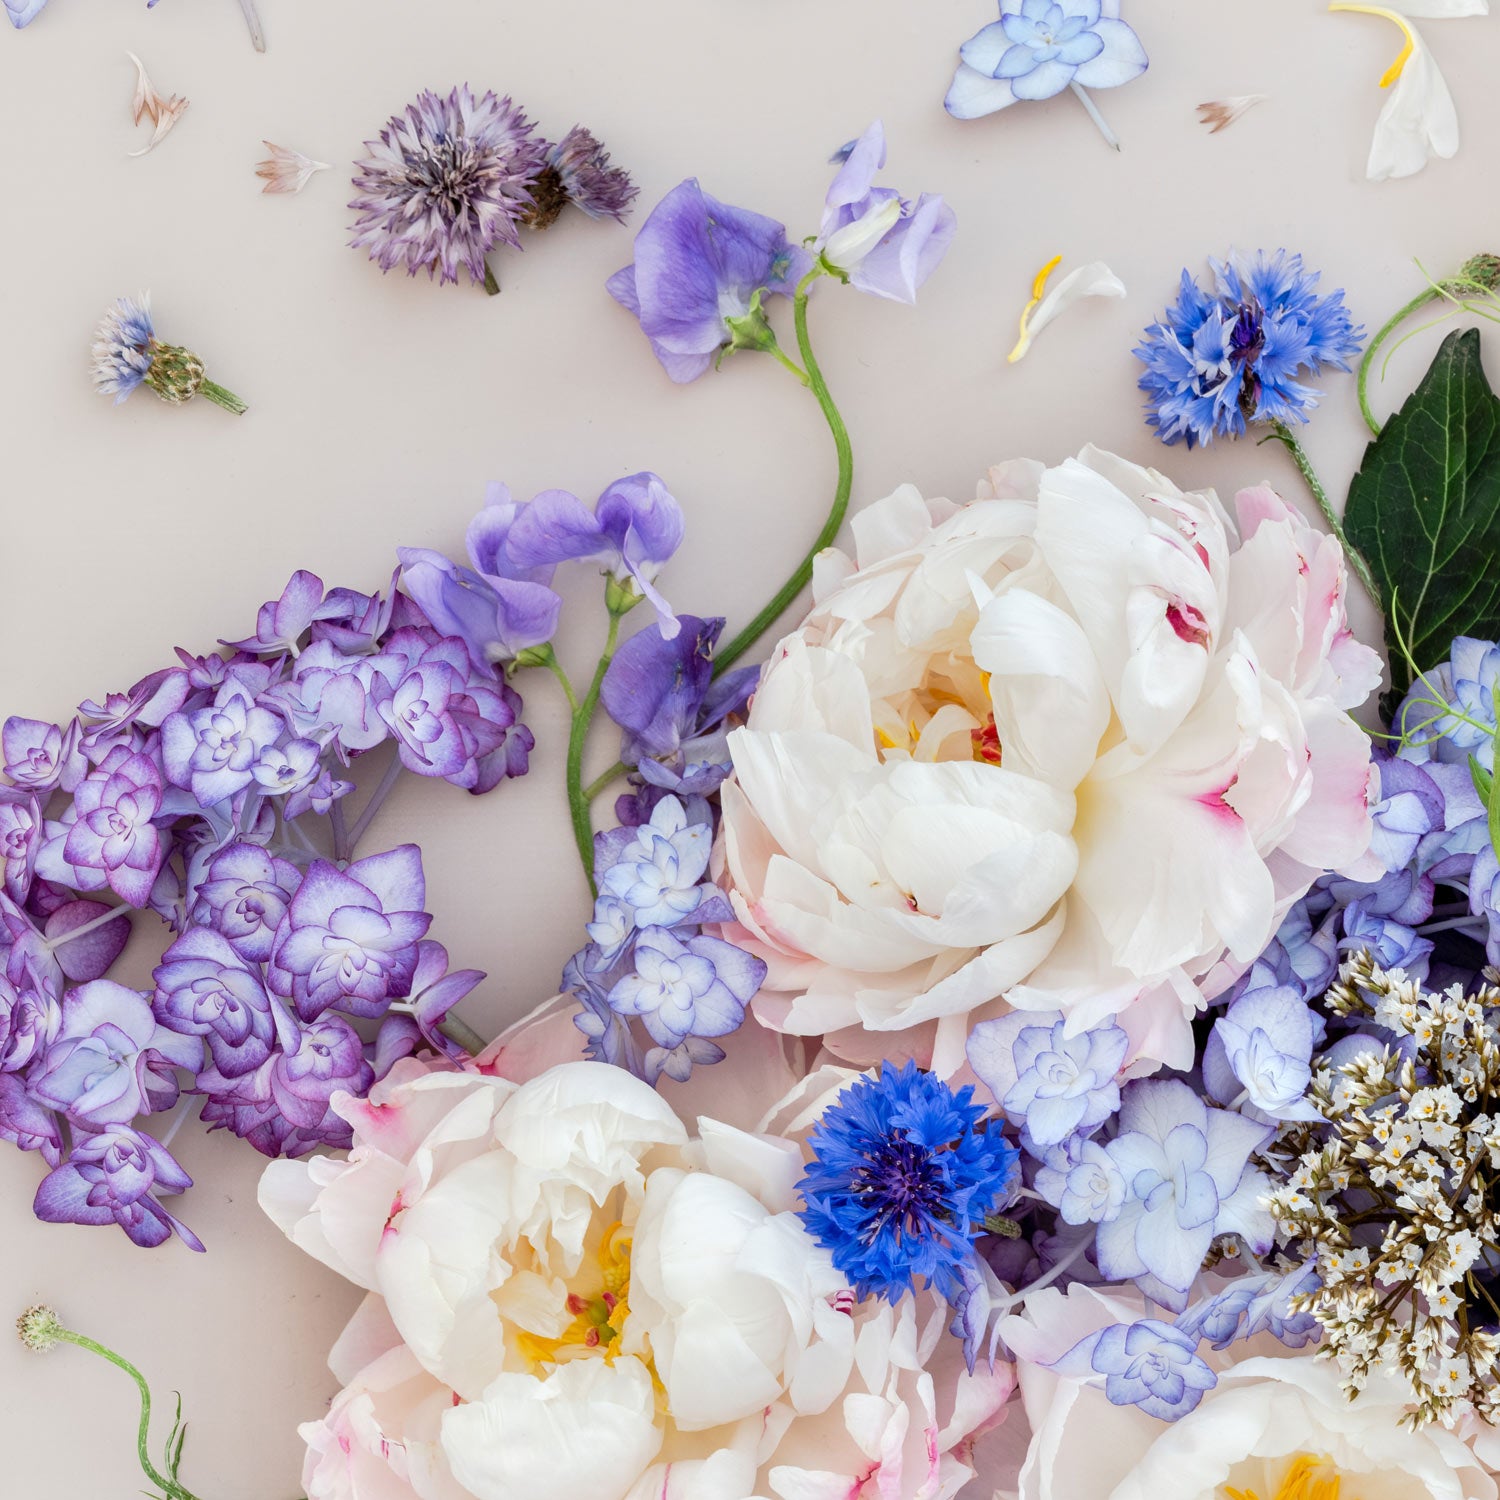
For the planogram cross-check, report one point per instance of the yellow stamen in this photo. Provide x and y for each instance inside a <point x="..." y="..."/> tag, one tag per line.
<point x="597" y="1321"/>
<point x="1038" y="291"/>
<point x="1393" y="72"/>
<point x="1308" y="1478"/>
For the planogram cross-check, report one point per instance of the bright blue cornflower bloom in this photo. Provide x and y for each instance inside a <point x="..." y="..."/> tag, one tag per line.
<point x="1236" y="353"/>
<point x="901" y="1182"/>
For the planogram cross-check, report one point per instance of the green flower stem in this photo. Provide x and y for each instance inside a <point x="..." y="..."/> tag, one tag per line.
<point x="600" y="784"/>
<point x="462" y="1033"/>
<point x="1288" y="440"/>
<point x="583" y="716"/>
<point x="1426" y="295"/>
<point x="546" y="657"/>
<point x="491" y="284"/>
<point x="788" y="363"/>
<point x="211" y="391"/>
<point x="731" y="653"/>
<point x="143" y="1431"/>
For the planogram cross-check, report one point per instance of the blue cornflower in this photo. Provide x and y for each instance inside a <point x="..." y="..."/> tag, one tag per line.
<point x="1221" y="358"/>
<point x="901" y="1182"/>
<point x="124" y="347"/>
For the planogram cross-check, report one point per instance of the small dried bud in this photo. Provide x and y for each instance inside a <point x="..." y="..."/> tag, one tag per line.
<point x="175" y="374"/>
<point x="1480" y="271"/>
<point x="39" y="1329"/>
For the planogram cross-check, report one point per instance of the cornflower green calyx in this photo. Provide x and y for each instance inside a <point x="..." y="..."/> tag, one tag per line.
<point x="41" y="1330"/>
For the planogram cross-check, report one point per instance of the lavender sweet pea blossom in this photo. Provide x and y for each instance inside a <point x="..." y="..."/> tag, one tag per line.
<point x="1053" y="1084"/>
<point x="634" y="529"/>
<point x="662" y="692"/>
<point x="110" y="1059"/>
<point x="111" y="1177"/>
<point x="349" y="938"/>
<point x="875" y="238"/>
<point x="1185" y="1167"/>
<point x="702" y="266"/>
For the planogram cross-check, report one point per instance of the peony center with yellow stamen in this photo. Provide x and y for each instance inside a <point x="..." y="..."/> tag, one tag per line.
<point x="598" y="1316"/>
<point x="1307" y="1477"/>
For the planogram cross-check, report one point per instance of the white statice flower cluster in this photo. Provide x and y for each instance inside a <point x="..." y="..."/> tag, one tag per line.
<point x="1396" y="1191"/>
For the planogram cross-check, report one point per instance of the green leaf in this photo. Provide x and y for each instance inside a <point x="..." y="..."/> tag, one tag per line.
<point x="1424" y="510"/>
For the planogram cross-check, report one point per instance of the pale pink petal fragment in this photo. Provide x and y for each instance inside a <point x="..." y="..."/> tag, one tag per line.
<point x="285" y="170"/>
<point x="1218" y="114"/>
<point x="147" y="104"/>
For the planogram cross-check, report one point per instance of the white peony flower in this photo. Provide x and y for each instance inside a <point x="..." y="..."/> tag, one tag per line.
<point x="1075" y="745"/>
<point x="573" y="1300"/>
<point x="1275" y="1428"/>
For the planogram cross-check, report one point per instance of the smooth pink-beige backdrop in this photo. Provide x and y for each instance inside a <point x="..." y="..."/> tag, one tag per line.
<point x="381" y="406"/>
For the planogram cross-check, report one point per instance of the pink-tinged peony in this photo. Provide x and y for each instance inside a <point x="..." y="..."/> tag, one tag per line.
<point x="1074" y="746"/>
<point x="572" y="1298"/>
<point x="1275" y="1425"/>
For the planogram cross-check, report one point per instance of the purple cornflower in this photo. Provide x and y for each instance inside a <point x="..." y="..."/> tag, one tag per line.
<point x="577" y="171"/>
<point x="1239" y="352"/>
<point x="445" y="182"/>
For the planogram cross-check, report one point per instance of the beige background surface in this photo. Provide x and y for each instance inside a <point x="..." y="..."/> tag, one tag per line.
<point x="381" y="406"/>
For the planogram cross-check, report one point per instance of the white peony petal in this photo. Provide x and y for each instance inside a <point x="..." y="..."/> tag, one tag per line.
<point x="1093" y="280"/>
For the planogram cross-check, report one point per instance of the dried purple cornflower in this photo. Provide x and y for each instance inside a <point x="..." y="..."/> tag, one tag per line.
<point x="445" y="182"/>
<point x="577" y="171"/>
<point x="128" y="354"/>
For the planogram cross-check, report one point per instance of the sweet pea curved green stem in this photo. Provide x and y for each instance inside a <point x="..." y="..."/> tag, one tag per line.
<point x="578" y="734"/>
<point x="1390" y="325"/>
<point x="1288" y="439"/>
<point x="813" y="375"/>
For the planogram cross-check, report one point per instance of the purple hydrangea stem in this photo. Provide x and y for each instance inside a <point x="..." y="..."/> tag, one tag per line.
<point x="211" y="391"/>
<point x="731" y="653"/>
<point x="1288" y="439"/>
<point x="462" y="1033"/>
<point x="377" y="797"/>
<point x="1085" y="99"/>
<point x="340" y="835"/>
<point x="252" y="20"/>
<point x="77" y="932"/>
<point x="583" y="715"/>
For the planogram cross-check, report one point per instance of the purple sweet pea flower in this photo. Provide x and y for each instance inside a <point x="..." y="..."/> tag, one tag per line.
<point x="216" y="751"/>
<point x="112" y="840"/>
<point x="875" y="238"/>
<point x="698" y="265"/>
<point x="635" y="528"/>
<point x="663" y="694"/>
<point x="205" y="989"/>
<point x="244" y="897"/>
<point x="349" y="938"/>
<point x="495" y="618"/>
<point x="110" y="1060"/>
<point x="110" y="1178"/>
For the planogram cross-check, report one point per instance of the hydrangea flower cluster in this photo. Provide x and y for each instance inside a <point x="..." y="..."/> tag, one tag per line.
<point x="213" y="794"/>
<point x="455" y="176"/>
<point x="1242" y="350"/>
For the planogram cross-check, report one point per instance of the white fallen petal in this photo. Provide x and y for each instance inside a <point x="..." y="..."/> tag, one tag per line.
<point x="1093" y="280"/>
<point x="1440" y="10"/>
<point x="1219" y="113"/>
<point x="285" y="170"/>
<point x="1418" y="121"/>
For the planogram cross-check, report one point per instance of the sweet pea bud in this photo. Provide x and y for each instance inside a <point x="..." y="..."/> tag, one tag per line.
<point x="536" y="656"/>
<point x="621" y="595"/>
<point x="39" y="1329"/>
<point x="848" y="246"/>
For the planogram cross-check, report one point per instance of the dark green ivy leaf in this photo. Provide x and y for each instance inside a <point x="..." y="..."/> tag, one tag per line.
<point x="1424" y="510"/>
